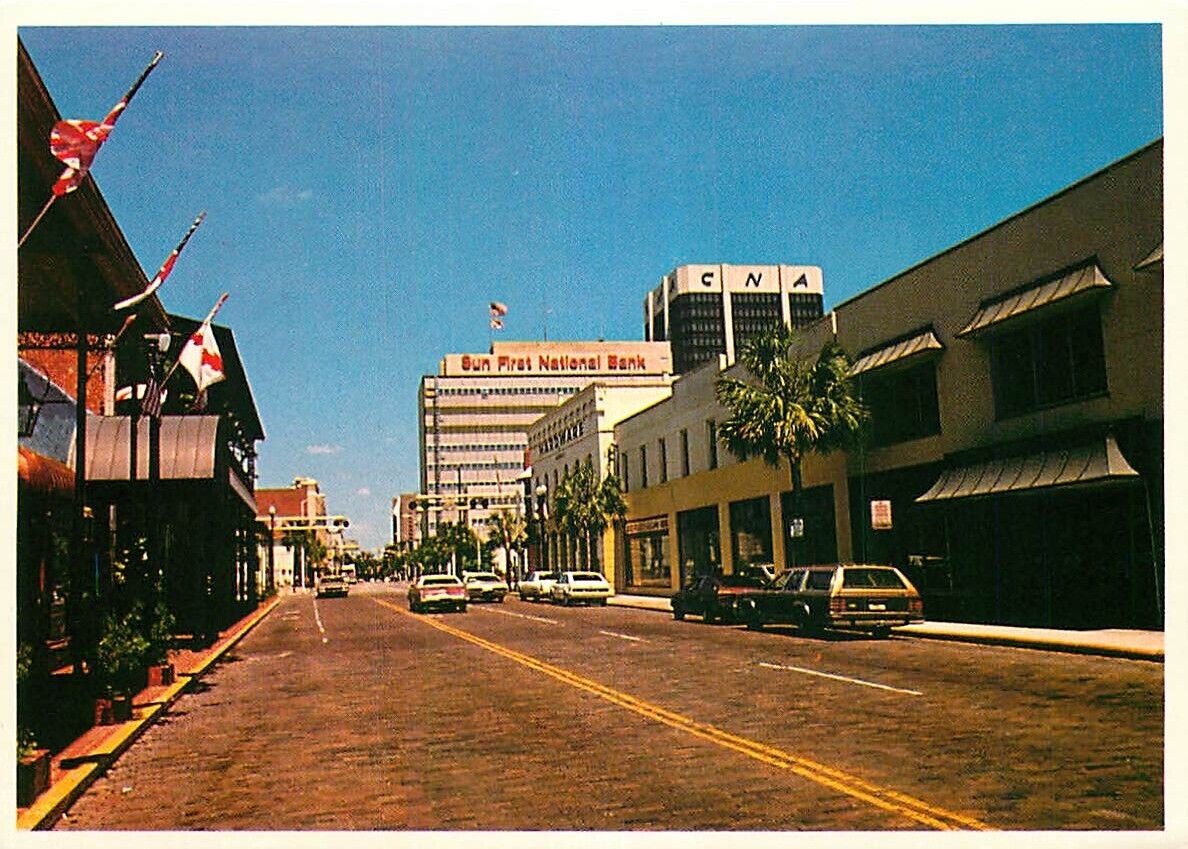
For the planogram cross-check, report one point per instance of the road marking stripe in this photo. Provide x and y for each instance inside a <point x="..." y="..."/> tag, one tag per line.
<point x="318" y="619"/>
<point x="623" y="636"/>
<point x="840" y="678"/>
<point x="889" y="800"/>
<point x="520" y="615"/>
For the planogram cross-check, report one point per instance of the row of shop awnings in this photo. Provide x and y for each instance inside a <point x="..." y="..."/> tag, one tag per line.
<point x="918" y="343"/>
<point x="1096" y="463"/>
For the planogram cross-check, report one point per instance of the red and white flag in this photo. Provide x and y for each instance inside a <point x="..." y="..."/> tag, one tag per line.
<point x="124" y="393"/>
<point x="201" y="357"/>
<point x="498" y="309"/>
<point x="75" y="142"/>
<point x="164" y="271"/>
<point x="496" y="324"/>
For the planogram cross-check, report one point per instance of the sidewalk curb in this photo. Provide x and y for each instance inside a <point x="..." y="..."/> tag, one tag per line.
<point x="48" y="808"/>
<point x="1099" y="649"/>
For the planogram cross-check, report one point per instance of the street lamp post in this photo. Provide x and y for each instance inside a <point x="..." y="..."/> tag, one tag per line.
<point x="542" y="502"/>
<point x="270" y="583"/>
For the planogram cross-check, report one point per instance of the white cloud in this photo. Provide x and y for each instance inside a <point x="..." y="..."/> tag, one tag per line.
<point x="285" y="196"/>
<point x="322" y="449"/>
<point x="362" y="491"/>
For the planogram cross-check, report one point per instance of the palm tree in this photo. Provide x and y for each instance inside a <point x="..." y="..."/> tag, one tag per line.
<point x="789" y="408"/>
<point x="508" y="531"/>
<point x="584" y="506"/>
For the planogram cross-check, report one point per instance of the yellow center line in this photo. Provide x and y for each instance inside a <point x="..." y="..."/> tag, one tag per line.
<point x="886" y="799"/>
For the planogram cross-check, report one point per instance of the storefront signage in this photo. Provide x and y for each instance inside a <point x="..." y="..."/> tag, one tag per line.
<point x="551" y="364"/>
<point x="655" y="525"/>
<point x="880" y="515"/>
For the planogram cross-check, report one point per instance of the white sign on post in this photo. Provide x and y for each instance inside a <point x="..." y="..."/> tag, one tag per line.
<point x="796" y="528"/>
<point x="880" y="515"/>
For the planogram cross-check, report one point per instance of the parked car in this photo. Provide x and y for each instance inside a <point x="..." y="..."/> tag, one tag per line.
<point x="716" y="597"/>
<point x="484" y="586"/>
<point x="430" y="592"/>
<point x="843" y="596"/>
<point x="331" y="585"/>
<point x="580" y="588"/>
<point x="537" y="586"/>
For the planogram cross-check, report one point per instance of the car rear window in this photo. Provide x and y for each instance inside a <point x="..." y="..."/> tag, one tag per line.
<point x="435" y="582"/>
<point x="819" y="579"/>
<point x="881" y="579"/>
<point x="586" y="576"/>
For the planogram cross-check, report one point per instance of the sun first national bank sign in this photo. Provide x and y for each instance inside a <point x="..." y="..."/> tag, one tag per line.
<point x="562" y="358"/>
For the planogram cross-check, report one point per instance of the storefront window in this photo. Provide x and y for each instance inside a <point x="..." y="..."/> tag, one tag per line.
<point x="750" y="532"/>
<point x="699" y="542"/>
<point x="647" y="552"/>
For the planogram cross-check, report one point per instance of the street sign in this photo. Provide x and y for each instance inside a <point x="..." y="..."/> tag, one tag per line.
<point x="796" y="528"/>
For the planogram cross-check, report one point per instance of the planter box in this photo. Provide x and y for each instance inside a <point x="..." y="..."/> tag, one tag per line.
<point x="161" y="676"/>
<point x="33" y="775"/>
<point x="113" y="710"/>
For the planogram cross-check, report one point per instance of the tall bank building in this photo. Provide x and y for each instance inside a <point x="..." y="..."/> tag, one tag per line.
<point x="474" y="416"/>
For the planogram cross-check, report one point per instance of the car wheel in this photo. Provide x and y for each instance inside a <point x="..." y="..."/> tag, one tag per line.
<point x="523" y="597"/>
<point x="753" y="617"/>
<point x="602" y="602"/>
<point x="882" y="632"/>
<point x="711" y="613"/>
<point x="678" y="611"/>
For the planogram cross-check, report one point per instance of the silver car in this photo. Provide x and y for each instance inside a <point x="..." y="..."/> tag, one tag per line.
<point x="537" y="585"/>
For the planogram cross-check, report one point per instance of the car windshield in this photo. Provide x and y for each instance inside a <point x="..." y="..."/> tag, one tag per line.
<point x="882" y="579"/>
<point x="444" y="580"/>
<point x="586" y="576"/>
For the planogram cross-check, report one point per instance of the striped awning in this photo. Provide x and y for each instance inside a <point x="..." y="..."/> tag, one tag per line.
<point x="44" y="474"/>
<point x="918" y="344"/>
<point x="1098" y="462"/>
<point x="188" y="448"/>
<point x="1087" y="278"/>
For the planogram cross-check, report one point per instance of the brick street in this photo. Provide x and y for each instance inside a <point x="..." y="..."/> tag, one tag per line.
<point x="362" y="717"/>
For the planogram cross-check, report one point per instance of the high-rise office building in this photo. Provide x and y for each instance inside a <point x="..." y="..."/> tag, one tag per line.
<point x="706" y="310"/>
<point x="475" y="412"/>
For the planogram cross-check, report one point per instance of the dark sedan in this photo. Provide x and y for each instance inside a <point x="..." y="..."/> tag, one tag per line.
<point x="716" y="597"/>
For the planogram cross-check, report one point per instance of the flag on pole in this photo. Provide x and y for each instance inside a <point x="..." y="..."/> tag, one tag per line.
<point x="151" y="405"/>
<point x="498" y="309"/>
<point x="164" y="271"/>
<point x="201" y="357"/>
<point x="496" y="324"/>
<point x="75" y="142"/>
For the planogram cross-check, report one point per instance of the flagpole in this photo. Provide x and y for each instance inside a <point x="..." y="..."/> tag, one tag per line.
<point x="37" y="220"/>
<point x="209" y="318"/>
<point x="165" y="270"/>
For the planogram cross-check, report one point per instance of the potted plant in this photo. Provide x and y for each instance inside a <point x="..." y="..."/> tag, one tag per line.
<point x="33" y="763"/>
<point x="120" y="661"/>
<point x="160" y="639"/>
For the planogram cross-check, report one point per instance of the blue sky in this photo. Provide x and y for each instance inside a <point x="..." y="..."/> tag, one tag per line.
<point x="369" y="190"/>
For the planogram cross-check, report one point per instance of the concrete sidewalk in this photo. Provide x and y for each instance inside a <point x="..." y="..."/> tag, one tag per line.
<point x="1113" y="642"/>
<point x="76" y="767"/>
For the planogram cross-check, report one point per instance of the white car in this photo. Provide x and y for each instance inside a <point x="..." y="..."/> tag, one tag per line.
<point x="537" y="585"/>
<point x="484" y="586"/>
<point x="580" y="588"/>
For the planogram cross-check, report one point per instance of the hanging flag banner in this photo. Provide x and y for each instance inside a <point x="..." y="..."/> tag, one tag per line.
<point x="164" y="271"/>
<point x="496" y="324"/>
<point x="75" y="143"/>
<point x="201" y="356"/>
<point x="498" y="309"/>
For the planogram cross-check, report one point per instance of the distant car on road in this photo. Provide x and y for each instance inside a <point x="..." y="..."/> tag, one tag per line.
<point x="537" y="586"/>
<point x="484" y="586"/>
<point x="430" y="592"/>
<point x="838" y="596"/>
<point x="331" y="585"/>
<point x="716" y="597"/>
<point x="580" y="588"/>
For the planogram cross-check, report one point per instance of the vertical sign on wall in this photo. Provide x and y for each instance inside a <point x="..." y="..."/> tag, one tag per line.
<point x="880" y="515"/>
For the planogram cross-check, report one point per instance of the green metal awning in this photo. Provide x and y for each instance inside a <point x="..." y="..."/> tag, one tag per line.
<point x="1098" y="462"/>
<point x="1152" y="259"/>
<point x="1087" y="278"/>
<point x="920" y="343"/>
